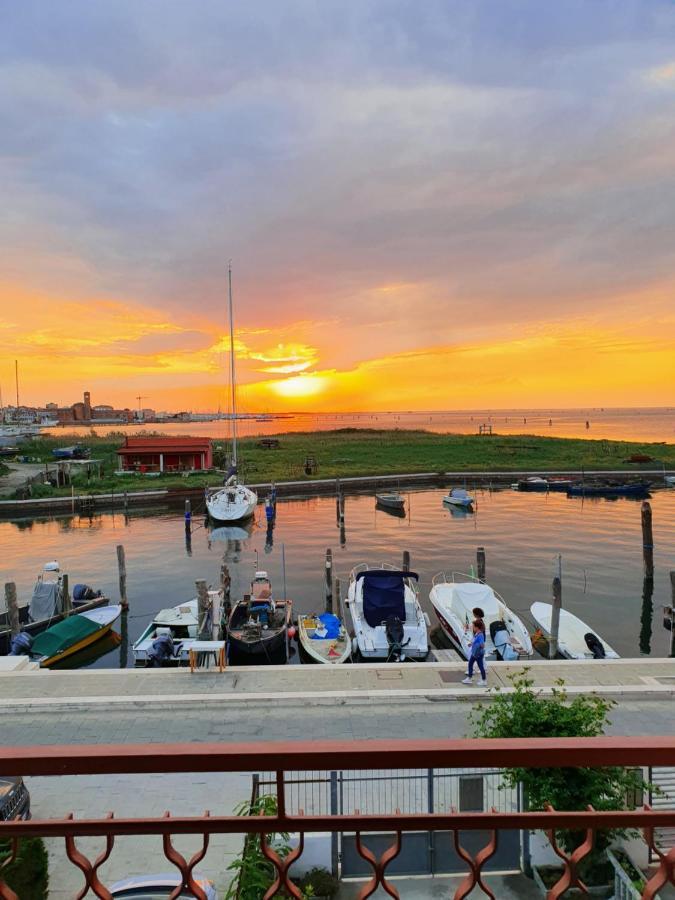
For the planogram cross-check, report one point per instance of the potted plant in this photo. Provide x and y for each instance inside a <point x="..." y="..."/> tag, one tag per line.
<point x="318" y="884"/>
<point x="526" y="713"/>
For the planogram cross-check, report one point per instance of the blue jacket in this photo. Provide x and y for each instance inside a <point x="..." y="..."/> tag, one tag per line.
<point x="478" y="644"/>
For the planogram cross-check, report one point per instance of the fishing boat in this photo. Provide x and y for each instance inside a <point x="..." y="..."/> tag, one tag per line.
<point x="167" y="639"/>
<point x="391" y="501"/>
<point x="610" y="489"/>
<point x="324" y="639"/>
<point x="234" y="501"/>
<point x="258" y="624"/>
<point x="459" y="497"/>
<point x="48" y="605"/>
<point x="455" y="597"/>
<point x="73" y="634"/>
<point x="576" y="640"/>
<point x="388" y="621"/>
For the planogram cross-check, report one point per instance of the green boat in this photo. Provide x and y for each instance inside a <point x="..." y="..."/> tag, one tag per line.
<point x="73" y="634"/>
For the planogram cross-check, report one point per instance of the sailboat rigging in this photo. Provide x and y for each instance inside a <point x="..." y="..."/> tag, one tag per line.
<point x="234" y="501"/>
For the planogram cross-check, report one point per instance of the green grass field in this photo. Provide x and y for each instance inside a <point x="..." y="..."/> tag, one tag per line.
<point x="352" y="452"/>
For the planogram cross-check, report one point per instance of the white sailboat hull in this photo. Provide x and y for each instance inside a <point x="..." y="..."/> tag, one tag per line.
<point x="231" y="503"/>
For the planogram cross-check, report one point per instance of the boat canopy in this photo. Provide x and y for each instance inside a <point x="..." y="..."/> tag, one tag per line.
<point x="472" y="594"/>
<point x="383" y="594"/>
<point x="63" y="635"/>
<point x="45" y="601"/>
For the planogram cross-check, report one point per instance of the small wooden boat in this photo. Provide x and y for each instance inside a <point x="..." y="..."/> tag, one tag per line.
<point x="167" y="639"/>
<point x="73" y="634"/>
<point x="259" y="624"/>
<point x="391" y="500"/>
<point x="610" y="489"/>
<point x="324" y="639"/>
<point x="458" y="497"/>
<point x="575" y="639"/>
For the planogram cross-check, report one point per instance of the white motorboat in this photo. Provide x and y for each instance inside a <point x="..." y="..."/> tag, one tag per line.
<point x="576" y="640"/>
<point x="458" y="497"/>
<point x="167" y="639"/>
<point x="454" y="600"/>
<point x="391" y="500"/>
<point x="234" y="501"/>
<point x="324" y="639"/>
<point x="388" y="621"/>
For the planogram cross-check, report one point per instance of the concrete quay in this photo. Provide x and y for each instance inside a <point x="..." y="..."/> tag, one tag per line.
<point x="108" y="689"/>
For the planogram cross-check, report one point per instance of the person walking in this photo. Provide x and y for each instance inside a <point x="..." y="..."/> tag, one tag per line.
<point x="477" y="656"/>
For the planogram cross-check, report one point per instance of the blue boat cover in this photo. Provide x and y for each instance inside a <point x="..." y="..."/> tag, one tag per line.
<point x="332" y="625"/>
<point x="383" y="595"/>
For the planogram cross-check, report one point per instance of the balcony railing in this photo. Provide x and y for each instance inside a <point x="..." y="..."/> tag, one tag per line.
<point x="283" y="758"/>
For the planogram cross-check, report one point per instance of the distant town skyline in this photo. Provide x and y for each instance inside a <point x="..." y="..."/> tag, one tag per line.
<point x="427" y="206"/>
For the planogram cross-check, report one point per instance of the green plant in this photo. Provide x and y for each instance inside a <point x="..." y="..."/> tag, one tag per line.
<point x="318" y="882"/>
<point x="528" y="714"/>
<point x="254" y="873"/>
<point x="28" y="875"/>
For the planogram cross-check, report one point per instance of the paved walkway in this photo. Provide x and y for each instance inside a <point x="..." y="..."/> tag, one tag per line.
<point x="116" y="688"/>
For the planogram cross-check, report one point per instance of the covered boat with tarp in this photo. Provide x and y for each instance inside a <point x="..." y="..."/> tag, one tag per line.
<point x="323" y="639"/>
<point x="48" y="604"/>
<point x="72" y="634"/>
<point x="389" y="623"/>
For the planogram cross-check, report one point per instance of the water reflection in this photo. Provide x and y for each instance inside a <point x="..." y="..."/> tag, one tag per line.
<point x="600" y="543"/>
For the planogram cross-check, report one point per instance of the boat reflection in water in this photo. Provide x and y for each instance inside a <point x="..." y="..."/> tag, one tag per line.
<point x="234" y="539"/>
<point x="398" y="512"/>
<point x="90" y="654"/>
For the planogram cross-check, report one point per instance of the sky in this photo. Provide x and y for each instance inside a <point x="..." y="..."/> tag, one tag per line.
<point x="427" y="205"/>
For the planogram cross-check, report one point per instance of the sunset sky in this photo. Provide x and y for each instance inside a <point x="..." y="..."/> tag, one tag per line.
<point x="427" y="204"/>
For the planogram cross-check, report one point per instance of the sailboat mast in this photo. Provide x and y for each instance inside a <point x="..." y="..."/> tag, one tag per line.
<point x="233" y="382"/>
<point x="16" y="377"/>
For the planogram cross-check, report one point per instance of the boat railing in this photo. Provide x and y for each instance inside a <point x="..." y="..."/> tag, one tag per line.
<point x="366" y="567"/>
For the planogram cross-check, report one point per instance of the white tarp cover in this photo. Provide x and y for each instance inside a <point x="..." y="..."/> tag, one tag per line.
<point x="46" y="600"/>
<point x="472" y="594"/>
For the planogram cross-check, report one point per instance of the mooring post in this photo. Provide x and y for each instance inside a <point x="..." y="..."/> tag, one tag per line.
<point x="65" y="595"/>
<point x="406" y="561"/>
<point x="122" y="571"/>
<point x="203" y="610"/>
<point x="672" y="612"/>
<point x="480" y="564"/>
<point x="329" y="580"/>
<point x="555" y="617"/>
<point x="647" y="538"/>
<point x="12" y="608"/>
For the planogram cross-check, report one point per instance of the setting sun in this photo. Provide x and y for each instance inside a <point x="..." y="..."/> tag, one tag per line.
<point x="301" y="386"/>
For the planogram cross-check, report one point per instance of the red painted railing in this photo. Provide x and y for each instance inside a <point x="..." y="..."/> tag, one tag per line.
<point x="319" y="756"/>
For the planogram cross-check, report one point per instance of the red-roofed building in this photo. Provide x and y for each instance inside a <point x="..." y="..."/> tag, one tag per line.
<point x="165" y="454"/>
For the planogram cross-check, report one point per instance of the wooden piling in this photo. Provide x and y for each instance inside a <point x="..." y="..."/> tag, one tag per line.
<point x="12" y="605"/>
<point x="66" y="599"/>
<point x="555" y="618"/>
<point x="328" y="573"/>
<point x="647" y="539"/>
<point x="672" y="613"/>
<point x="203" y="604"/>
<point x="480" y="564"/>
<point x="337" y="594"/>
<point x="122" y="572"/>
<point x="405" y="565"/>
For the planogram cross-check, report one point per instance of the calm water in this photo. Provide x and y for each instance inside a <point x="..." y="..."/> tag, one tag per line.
<point x="600" y="542"/>
<point x="655" y="424"/>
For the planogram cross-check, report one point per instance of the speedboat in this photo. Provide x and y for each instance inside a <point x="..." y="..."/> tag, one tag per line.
<point x="454" y="600"/>
<point x="391" y="500"/>
<point x="458" y="497"/>
<point x="324" y="639"/>
<point x="259" y="624"/>
<point x="72" y="634"/>
<point x="167" y="639"/>
<point x="576" y="640"/>
<point x="389" y="623"/>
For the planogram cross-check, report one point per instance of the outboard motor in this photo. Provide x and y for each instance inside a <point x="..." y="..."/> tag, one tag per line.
<point x="82" y="593"/>
<point x="394" y="631"/>
<point x="21" y="644"/>
<point x="595" y="645"/>
<point x="161" y="653"/>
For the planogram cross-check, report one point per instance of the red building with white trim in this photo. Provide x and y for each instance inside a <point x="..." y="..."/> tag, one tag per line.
<point x="165" y="454"/>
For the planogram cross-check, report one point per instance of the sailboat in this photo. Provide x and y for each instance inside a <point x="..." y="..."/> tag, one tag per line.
<point x="234" y="501"/>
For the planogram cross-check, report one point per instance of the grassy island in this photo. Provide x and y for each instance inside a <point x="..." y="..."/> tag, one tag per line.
<point x="356" y="451"/>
